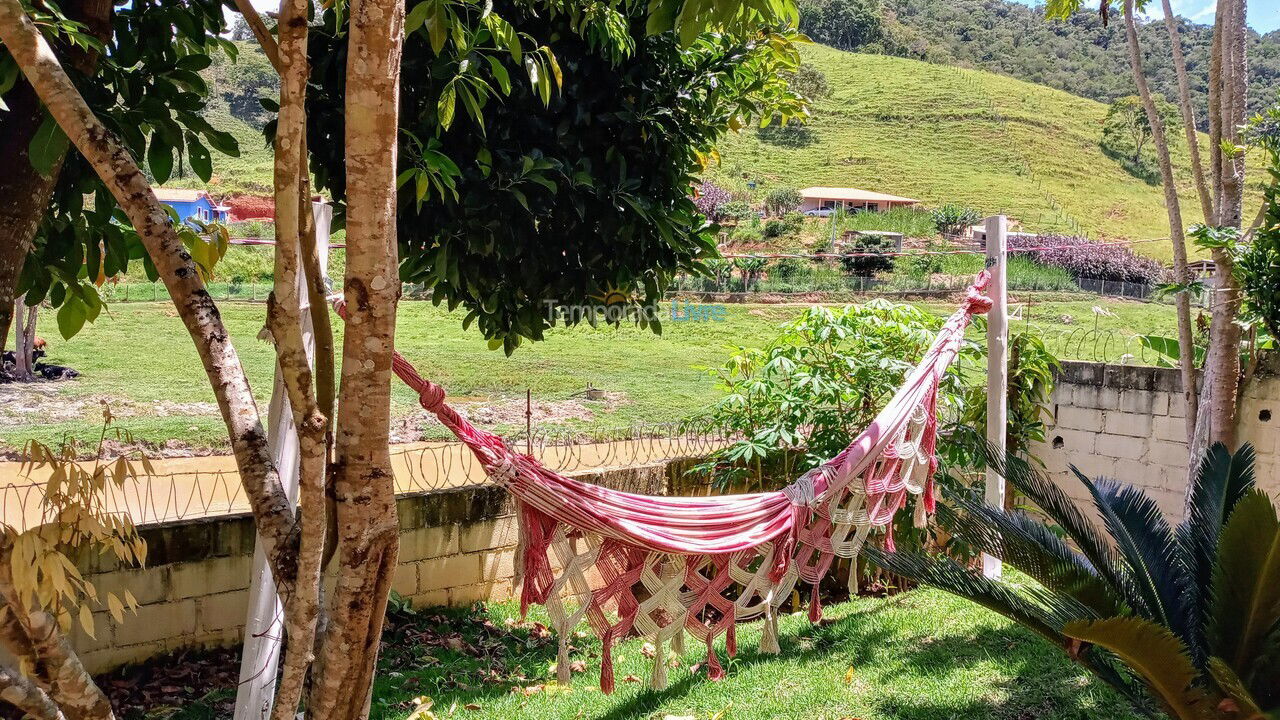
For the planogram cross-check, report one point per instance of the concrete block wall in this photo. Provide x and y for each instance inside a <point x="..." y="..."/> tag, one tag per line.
<point x="1129" y="423"/>
<point x="457" y="547"/>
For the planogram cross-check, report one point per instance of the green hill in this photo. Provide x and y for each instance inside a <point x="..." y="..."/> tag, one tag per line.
<point x="945" y="134"/>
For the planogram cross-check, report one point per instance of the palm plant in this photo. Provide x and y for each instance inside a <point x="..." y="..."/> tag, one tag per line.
<point x="1186" y="615"/>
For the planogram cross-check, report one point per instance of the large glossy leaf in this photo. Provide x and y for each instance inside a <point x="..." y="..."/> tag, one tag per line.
<point x="47" y="146"/>
<point x="1155" y="654"/>
<point x="1246" y="588"/>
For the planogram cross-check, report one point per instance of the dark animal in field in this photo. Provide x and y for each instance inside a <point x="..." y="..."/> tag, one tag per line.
<point x="56" y="372"/>
<point x="11" y="357"/>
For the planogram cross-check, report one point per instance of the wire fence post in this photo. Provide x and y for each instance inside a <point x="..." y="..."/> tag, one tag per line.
<point x="997" y="369"/>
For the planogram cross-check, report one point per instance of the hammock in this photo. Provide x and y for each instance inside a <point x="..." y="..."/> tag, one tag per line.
<point x="663" y="566"/>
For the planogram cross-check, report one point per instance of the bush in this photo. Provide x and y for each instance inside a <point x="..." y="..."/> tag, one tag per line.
<point x="782" y="200"/>
<point x="869" y="265"/>
<point x="793" y="222"/>
<point x="790" y="269"/>
<point x="711" y="200"/>
<point x="746" y="235"/>
<point x="1084" y="259"/>
<point x="736" y="210"/>
<point x="954" y="219"/>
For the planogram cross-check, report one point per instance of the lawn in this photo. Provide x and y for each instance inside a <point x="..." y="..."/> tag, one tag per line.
<point x="138" y="358"/>
<point x="921" y="655"/>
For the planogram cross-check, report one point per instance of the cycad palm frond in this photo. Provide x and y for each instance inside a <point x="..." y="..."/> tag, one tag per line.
<point x="1030" y="546"/>
<point x="1064" y="511"/>
<point x="1220" y="483"/>
<point x="1146" y="544"/>
<point x="1040" y="610"/>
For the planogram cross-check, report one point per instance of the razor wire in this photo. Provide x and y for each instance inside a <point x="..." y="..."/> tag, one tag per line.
<point x="420" y="467"/>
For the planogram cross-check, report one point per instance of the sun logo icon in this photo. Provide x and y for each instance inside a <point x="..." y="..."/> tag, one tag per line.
<point x="612" y="296"/>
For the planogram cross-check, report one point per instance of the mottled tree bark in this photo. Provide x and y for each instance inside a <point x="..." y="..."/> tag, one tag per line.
<point x="199" y="313"/>
<point x="363" y="483"/>
<point x="1186" y="350"/>
<point x="1222" y="361"/>
<point x="292" y="205"/>
<point x="23" y="694"/>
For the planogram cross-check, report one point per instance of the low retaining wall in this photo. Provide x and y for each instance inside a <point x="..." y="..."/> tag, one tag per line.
<point x="1129" y="423"/>
<point x="457" y="546"/>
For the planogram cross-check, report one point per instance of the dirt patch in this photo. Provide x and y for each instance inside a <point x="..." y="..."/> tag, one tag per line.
<point x="42" y="403"/>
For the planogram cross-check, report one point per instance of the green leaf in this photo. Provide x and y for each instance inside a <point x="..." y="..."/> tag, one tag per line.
<point x="1155" y="654"/>
<point x="160" y="159"/>
<point x="500" y="74"/>
<point x="198" y="156"/>
<point x="47" y="146"/>
<point x="1246" y="584"/>
<point x="416" y="17"/>
<point x="71" y="317"/>
<point x="445" y="107"/>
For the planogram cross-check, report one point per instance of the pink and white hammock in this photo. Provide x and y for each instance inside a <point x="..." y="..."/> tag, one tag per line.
<point x="662" y="566"/>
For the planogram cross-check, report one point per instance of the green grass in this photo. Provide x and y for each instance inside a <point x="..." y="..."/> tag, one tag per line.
<point x="921" y="655"/>
<point x="138" y="355"/>
<point x="933" y="132"/>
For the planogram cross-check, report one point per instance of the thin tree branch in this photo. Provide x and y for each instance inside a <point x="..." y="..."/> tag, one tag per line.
<point x="260" y="32"/>
<point x="1188" y="111"/>
<point x="23" y="694"/>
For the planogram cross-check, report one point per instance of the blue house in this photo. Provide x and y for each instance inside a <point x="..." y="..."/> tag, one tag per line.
<point x="193" y="205"/>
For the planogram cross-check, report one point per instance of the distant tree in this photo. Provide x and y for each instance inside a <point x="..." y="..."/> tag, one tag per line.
<point x="711" y="199"/>
<point x="871" y="255"/>
<point x="845" y="24"/>
<point x="809" y="82"/>
<point x="1126" y="130"/>
<point x="782" y="200"/>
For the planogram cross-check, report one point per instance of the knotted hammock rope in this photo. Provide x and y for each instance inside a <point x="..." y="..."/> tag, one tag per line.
<point x="663" y="566"/>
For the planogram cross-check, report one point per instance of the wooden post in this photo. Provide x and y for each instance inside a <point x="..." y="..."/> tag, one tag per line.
<point x="997" y="368"/>
<point x="264" y="626"/>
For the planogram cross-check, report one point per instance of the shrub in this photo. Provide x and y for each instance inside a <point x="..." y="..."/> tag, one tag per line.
<point x="953" y="219"/>
<point x="711" y="199"/>
<point x="1085" y="259"/>
<point x="793" y="222"/>
<point x="736" y="210"/>
<point x="868" y="265"/>
<point x="782" y="200"/>
<point x="790" y="269"/>
<point x="774" y="228"/>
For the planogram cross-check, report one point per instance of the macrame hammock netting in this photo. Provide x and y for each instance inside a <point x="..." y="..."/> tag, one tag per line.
<point x="662" y="566"/>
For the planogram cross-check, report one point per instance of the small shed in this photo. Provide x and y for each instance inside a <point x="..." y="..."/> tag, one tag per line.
<point x="192" y="205"/>
<point x="851" y="200"/>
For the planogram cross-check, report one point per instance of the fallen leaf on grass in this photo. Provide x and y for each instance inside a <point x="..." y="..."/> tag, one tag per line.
<point x="848" y="676"/>
<point x="577" y="666"/>
<point x="648" y="650"/>
<point x="471" y="706"/>
<point x="631" y="679"/>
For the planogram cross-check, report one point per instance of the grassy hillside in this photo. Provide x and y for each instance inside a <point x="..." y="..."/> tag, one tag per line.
<point x="945" y="134"/>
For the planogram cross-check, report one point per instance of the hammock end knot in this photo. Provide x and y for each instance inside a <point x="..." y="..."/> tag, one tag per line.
<point x="975" y="303"/>
<point x="431" y="396"/>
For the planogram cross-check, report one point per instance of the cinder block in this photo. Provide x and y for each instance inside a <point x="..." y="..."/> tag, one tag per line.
<point x="1177" y="405"/>
<point x="210" y="577"/>
<point x="106" y="659"/>
<point x="1074" y="443"/>
<point x="148" y="585"/>
<point x="405" y="581"/>
<point x="1121" y="446"/>
<point x="429" y="542"/>
<point x="224" y="611"/>
<point x="446" y="572"/>
<point x="1079" y="418"/>
<point x="1163" y="452"/>
<point x="488" y="534"/>
<point x="1147" y="402"/>
<point x="1130" y="424"/>
<point x="1169" y="428"/>
<point x="498" y="564"/>
<point x="102" y="632"/>
<point x="159" y="622"/>
<point x="434" y="598"/>
<point x="465" y="595"/>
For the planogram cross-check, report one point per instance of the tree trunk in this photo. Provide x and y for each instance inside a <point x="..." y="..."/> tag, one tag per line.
<point x="25" y="193"/>
<point x="200" y="315"/>
<point x="24" y="341"/>
<point x="301" y="607"/>
<point x="1186" y="350"/>
<point x="23" y="694"/>
<point x="1188" y="112"/>
<point x="363" y="484"/>
<point x="1222" y="362"/>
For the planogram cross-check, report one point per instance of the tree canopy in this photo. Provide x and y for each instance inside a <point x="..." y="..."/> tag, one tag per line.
<point x="516" y="205"/>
